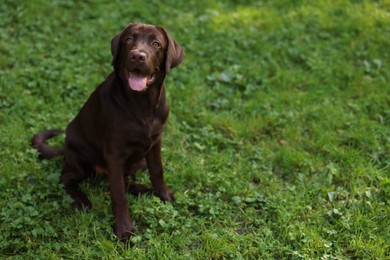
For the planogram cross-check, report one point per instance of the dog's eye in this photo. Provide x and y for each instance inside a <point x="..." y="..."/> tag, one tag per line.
<point x="156" y="44"/>
<point x="130" y="40"/>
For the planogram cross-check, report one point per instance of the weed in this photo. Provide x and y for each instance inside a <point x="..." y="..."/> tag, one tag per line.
<point x="277" y="144"/>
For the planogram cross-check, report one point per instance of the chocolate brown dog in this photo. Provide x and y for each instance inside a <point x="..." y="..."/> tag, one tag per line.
<point x="121" y="124"/>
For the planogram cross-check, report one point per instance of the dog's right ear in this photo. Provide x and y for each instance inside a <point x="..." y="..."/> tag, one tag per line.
<point x="115" y="48"/>
<point x="116" y="44"/>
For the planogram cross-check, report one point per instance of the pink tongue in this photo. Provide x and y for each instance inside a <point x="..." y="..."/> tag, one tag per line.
<point x="137" y="83"/>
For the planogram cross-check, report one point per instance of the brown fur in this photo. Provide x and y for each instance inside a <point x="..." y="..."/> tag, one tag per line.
<point x="119" y="130"/>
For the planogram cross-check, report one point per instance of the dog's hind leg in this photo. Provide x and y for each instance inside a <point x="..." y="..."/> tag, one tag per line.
<point x="136" y="188"/>
<point x="133" y="187"/>
<point x="72" y="174"/>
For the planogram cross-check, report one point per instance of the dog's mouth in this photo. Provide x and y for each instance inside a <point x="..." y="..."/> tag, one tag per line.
<point x="140" y="82"/>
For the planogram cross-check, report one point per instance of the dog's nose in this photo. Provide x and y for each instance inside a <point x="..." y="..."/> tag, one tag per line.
<point x="137" y="56"/>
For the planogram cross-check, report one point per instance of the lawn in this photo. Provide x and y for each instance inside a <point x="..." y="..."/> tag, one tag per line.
<point x="277" y="145"/>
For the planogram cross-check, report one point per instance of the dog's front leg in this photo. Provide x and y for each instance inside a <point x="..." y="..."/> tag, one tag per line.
<point x="153" y="159"/>
<point x="123" y="228"/>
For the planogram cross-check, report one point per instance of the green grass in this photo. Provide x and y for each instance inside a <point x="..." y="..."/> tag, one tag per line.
<point x="277" y="145"/>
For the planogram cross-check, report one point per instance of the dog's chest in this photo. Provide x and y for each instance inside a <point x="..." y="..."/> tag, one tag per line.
<point x="145" y="130"/>
<point x="154" y="130"/>
<point x="147" y="134"/>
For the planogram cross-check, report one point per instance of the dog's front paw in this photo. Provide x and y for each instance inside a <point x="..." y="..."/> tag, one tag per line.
<point x="124" y="232"/>
<point x="165" y="195"/>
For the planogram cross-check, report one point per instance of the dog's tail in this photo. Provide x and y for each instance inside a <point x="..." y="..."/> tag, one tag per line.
<point x="39" y="142"/>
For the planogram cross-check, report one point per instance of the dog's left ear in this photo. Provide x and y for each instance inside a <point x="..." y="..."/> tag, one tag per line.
<point x="174" y="53"/>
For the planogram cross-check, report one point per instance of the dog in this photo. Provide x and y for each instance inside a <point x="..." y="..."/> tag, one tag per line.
<point x="119" y="128"/>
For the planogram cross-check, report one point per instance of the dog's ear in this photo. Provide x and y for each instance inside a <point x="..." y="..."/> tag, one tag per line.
<point x="174" y="53"/>
<point x="116" y="44"/>
<point x="115" y="48"/>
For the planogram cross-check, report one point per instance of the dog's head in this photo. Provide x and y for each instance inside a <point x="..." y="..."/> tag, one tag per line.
<point x="143" y="54"/>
